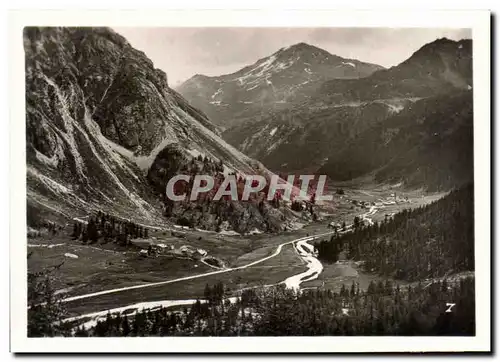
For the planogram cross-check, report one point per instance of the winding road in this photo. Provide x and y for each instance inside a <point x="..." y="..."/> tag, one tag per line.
<point x="305" y="251"/>
<point x="147" y="285"/>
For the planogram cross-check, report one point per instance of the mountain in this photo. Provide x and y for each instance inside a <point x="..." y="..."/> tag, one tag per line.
<point x="99" y="117"/>
<point x="436" y="68"/>
<point x="302" y="138"/>
<point x="429" y="144"/>
<point x="288" y="76"/>
<point x="311" y="134"/>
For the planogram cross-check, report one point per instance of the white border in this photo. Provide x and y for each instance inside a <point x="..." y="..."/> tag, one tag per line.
<point x="479" y="21"/>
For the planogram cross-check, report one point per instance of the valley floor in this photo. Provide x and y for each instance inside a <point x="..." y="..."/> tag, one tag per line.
<point x="101" y="277"/>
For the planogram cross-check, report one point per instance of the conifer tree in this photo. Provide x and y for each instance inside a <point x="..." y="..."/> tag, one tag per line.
<point x="92" y="232"/>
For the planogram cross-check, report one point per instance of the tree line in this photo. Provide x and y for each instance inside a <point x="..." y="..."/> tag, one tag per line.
<point x="109" y="228"/>
<point x="424" y="242"/>
<point x="443" y="307"/>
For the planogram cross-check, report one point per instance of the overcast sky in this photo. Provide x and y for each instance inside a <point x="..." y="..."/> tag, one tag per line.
<point x="184" y="52"/>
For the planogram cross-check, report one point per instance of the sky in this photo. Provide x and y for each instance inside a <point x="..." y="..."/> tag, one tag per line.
<point x="184" y="52"/>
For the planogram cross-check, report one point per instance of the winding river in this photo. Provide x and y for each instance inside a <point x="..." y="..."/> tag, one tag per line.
<point x="305" y="251"/>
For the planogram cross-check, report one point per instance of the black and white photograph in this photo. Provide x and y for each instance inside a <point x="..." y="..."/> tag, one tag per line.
<point x="231" y="181"/>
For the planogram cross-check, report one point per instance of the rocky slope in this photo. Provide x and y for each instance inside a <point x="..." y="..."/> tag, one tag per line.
<point x="288" y="76"/>
<point x="429" y="144"/>
<point x="98" y="115"/>
<point x="311" y="133"/>
<point x="302" y="139"/>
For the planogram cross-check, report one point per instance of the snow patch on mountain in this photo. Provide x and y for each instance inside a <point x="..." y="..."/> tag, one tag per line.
<point x="271" y="147"/>
<point x="258" y="70"/>
<point x="350" y="64"/>
<point x="114" y="151"/>
<point x="395" y="108"/>
<point x="273" y="131"/>
<point x="94" y="130"/>
<point x="283" y="65"/>
<point x="253" y="87"/>
<point x="219" y="91"/>
<point x="145" y="162"/>
<point x="263" y="71"/>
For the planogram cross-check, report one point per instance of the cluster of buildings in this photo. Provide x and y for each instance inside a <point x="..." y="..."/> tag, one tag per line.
<point x="183" y="251"/>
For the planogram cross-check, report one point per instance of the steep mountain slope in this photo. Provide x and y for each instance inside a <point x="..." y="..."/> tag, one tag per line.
<point x="286" y="77"/>
<point x="98" y="115"/>
<point x="437" y="68"/>
<point x="303" y="138"/>
<point x="312" y="132"/>
<point x="429" y="144"/>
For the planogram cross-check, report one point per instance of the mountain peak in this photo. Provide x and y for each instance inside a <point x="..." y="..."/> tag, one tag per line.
<point x="442" y="44"/>
<point x="440" y="55"/>
<point x="301" y="48"/>
<point x="302" y="45"/>
<point x="288" y="76"/>
<point x="199" y="76"/>
<point x="443" y="40"/>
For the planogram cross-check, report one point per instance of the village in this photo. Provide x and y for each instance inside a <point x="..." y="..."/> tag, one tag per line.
<point x="154" y="247"/>
<point x="392" y="200"/>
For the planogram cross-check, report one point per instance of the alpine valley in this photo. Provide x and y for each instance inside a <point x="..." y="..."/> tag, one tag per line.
<point x="364" y="121"/>
<point x="109" y="254"/>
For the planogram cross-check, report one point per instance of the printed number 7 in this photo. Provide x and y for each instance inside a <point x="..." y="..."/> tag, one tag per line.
<point x="449" y="305"/>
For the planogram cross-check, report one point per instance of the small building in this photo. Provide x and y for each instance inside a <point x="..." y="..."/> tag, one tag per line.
<point x="186" y="250"/>
<point x="334" y="225"/>
<point x="202" y="252"/>
<point x="165" y="246"/>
